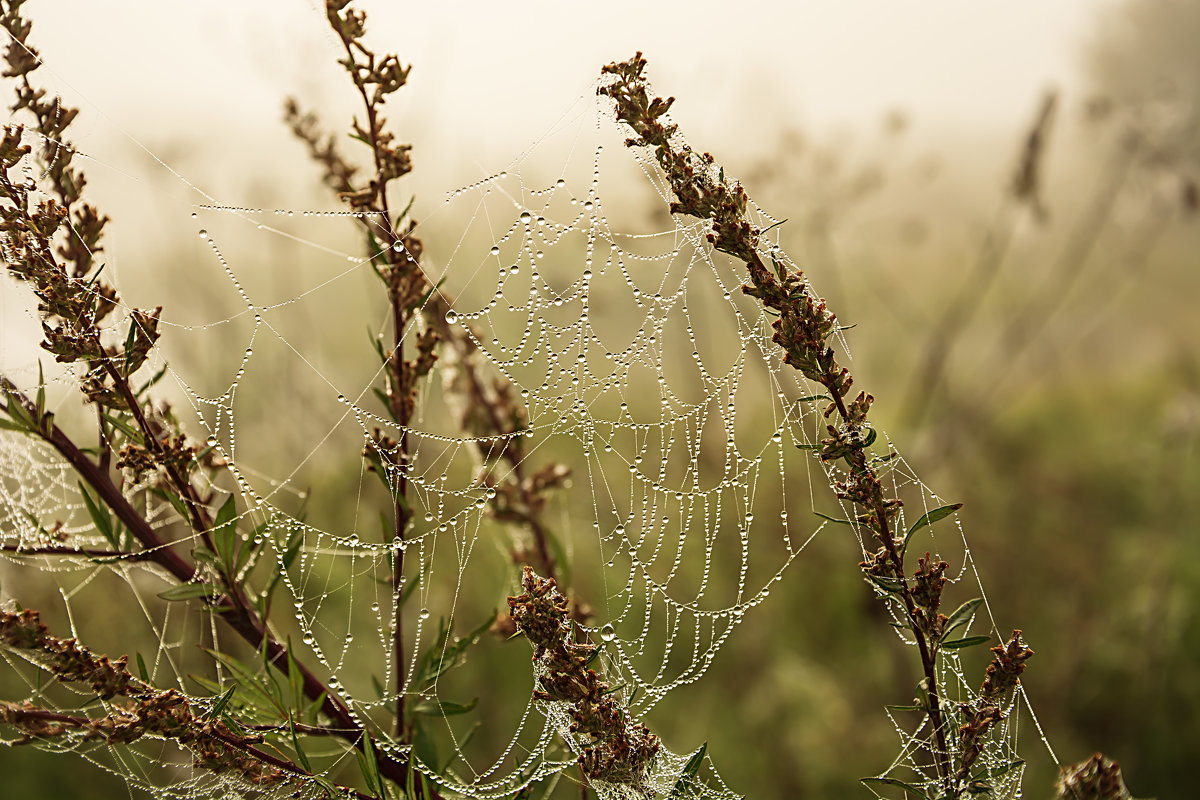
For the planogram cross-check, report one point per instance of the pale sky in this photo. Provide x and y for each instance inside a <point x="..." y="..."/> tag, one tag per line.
<point x="499" y="73"/>
<point x="200" y="85"/>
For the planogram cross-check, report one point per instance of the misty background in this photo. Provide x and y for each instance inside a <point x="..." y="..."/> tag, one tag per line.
<point x="1034" y="355"/>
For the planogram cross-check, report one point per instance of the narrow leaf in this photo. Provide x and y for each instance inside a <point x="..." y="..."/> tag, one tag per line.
<point x="996" y="772"/>
<point x="99" y="517"/>
<point x="894" y="782"/>
<point x="969" y="641"/>
<point x="188" y="591"/>
<point x="369" y="767"/>
<point x="443" y="708"/>
<point x="224" y="533"/>
<point x="688" y="776"/>
<point x="962" y="615"/>
<point x="833" y="519"/>
<point x="143" y="673"/>
<point x="929" y="519"/>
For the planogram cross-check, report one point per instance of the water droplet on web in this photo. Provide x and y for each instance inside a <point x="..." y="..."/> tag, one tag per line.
<point x="451" y="317"/>
<point x="423" y="615"/>
<point x="495" y="250"/>
<point x="428" y="517"/>
<point x="526" y="216"/>
<point x="560" y="183"/>
<point x="203" y="234"/>
<point x="397" y="246"/>
<point x="608" y="632"/>
<point x="212" y="441"/>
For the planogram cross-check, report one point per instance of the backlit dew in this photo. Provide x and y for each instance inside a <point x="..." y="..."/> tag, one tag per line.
<point x="451" y="317"/>
<point x="608" y="632"/>
<point x="203" y="233"/>
<point x="423" y="615"/>
<point x="495" y="250"/>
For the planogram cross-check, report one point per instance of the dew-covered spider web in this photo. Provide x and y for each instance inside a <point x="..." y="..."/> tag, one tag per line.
<point x="631" y="358"/>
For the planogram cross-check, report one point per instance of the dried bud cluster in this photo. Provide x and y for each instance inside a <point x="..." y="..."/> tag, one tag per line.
<point x="615" y="749"/>
<point x="1002" y="676"/>
<point x="147" y="711"/>
<point x="1097" y="778"/>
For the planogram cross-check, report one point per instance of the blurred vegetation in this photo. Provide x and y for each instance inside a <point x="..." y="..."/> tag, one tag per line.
<point x="1067" y="421"/>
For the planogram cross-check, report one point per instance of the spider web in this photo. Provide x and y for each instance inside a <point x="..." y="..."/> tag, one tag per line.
<point x="639" y="365"/>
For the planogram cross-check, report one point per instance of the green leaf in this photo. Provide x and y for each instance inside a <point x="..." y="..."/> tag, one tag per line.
<point x="224" y="534"/>
<point x="100" y="517"/>
<point x="444" y="655"/>
<point x="443" y="708"/>
<point x="910" y="707"/>
<point x="175" y="502"/>
<point x="293" y="548"/>
<point x="188" y="591"/>
<point x="776" y="225"/>
<point x="143" y="673"/>
<point x="222" y="701"/>
<point x="872" y="434"/>
<point x="252" y="549"/>
<point x="295" y="678"/>
<point x="5" y="425"/>
<point x="817" y="446"/>
<point x="124" y="427"/>
<point x="153" y="380"/>
<point x="893" y="782"/>
<point x="996" y="772"/>
<point x="962" y="615"/>
<point x="929" y="519"/>
<point x="969" y="641"/>
<point x="408" y="590"/>
<point x="813" y="397"/>
<point x="300" y="754"/>
<point x="687" y="778"/>
<point x="254" y="689"/>
<point x="369" y="767"/>
<point x="833" y="519"/>
<point x="404" y="213"/>
<point x="889" y="585"/>
<point x="202" y="553"/>
<point x="40" y="400"/>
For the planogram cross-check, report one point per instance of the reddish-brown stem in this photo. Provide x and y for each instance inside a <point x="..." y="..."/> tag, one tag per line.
<point x="242" y="619"/>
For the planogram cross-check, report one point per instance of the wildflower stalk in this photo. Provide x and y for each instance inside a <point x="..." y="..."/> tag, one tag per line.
<point x="490" y="410"/>
<point x="141" y="710"/>
<point x="803" y="328"/>
<point x="612" y="748"/>
<point x="73" y="306"/>
<point x="407" y="288"/>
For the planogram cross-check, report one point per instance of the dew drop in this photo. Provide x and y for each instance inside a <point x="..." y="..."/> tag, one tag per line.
<point x="203" y="234"/>
<point x="451" y="317"/>
<point x="424" y="615"/>
<point x="495" y="250"/>
<point x="608" y="633"/>
<point x="212" y="441"/>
